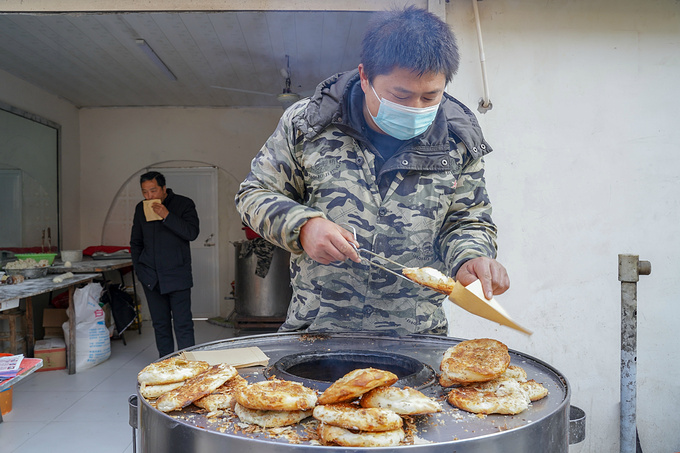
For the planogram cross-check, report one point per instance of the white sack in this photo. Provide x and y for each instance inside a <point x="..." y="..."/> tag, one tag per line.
<point x="93" y="345"/>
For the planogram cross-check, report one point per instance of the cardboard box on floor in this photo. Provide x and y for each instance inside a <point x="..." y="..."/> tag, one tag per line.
<point x="53" y="353"/>
<point x="53" y="318"/>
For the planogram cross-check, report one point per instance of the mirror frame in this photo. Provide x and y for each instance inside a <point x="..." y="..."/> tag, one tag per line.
<point x="45" y="122"/>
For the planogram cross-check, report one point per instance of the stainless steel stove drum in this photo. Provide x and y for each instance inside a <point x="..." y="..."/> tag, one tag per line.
<point x="544" y="427"/>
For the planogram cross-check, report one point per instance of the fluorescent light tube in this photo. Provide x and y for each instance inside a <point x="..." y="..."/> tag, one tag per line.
<point x="156" y="59"/>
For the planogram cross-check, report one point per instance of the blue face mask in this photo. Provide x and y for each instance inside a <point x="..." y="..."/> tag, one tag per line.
<point x="403" y="122"/>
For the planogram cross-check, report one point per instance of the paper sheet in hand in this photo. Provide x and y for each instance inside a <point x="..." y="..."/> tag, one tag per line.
<point x="237" y="357"/>
<point x="471" y="298"/>
<point x="149" y="212"/>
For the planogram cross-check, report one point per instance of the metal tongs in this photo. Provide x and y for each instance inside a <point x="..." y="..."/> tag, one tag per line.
<point x="361" y="250"/>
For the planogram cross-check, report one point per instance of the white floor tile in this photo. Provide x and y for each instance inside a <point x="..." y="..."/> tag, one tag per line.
<point x="142" y="358"/>
<point x="76" y="437"/>
<point x="123" y="380"/>
<point x="13" y="434"/>
<point x="98" y="407"/>
<point x="41" y="406"/>
<point x="60" y="380"/>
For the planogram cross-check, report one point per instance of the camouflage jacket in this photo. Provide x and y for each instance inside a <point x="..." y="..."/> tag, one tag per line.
<point x="436" y="212"/>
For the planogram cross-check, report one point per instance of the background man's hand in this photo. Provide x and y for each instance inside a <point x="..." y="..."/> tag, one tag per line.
<point x="326" y="242"/>
<point x="160" y="209"/>
<point x="490" y="272"/>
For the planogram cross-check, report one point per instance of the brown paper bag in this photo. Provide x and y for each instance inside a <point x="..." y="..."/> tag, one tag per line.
<point x="148" y="211"/>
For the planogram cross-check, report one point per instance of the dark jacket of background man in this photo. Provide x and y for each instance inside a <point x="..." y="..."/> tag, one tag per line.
<point x="160" y="249"/>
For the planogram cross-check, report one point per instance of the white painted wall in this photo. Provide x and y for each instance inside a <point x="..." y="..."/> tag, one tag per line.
<point x="585" y="132"/>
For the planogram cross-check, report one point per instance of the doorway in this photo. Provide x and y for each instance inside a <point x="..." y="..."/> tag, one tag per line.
<point x="200" y="184"/>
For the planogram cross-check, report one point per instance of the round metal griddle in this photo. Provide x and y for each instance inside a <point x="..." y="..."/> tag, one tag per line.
<point x="293" y="356"/>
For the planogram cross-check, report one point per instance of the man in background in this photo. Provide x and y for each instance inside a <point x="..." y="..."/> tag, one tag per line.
<point x="161" y="232"/>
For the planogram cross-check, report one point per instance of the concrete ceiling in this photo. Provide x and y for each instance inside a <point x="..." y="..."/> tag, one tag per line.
<point x="92" y="59"/>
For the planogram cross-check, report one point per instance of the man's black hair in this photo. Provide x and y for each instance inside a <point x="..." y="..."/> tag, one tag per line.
<point x="151" y="175"/>
<point x="410" y="38"/>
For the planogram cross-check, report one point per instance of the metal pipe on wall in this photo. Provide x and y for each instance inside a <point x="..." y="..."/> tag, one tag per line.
<point x="630" y="268"/>
<point x="485" y="102"/>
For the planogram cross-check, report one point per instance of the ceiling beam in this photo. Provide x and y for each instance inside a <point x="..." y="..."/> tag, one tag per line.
<point x="22" y="6"/>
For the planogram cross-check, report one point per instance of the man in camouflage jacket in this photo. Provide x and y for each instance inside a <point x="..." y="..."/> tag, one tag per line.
<point x="320" y="176"/>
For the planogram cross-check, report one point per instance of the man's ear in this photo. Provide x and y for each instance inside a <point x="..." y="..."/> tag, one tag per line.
<point x="365" y="85"/>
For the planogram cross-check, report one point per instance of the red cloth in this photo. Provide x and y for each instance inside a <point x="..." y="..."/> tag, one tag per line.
<point x="103" y="248"/>
<point x="60" y="301"/>
<point x="250" y="234"/>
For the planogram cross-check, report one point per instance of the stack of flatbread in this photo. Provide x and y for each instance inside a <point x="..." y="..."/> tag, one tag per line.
<point x="224" y="397"/>
<point x="274" y="403"/>
<point x="488" y="383"/>
<point x="361" y="409"/>
<point x="176" y="383"/>
<point x="161" y="377"/>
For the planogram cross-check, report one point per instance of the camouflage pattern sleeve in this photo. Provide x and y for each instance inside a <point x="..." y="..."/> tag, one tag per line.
<point x="270" y="198"/>
<point x="468" y="231"/>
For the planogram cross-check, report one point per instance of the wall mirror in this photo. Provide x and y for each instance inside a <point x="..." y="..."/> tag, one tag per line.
<point x="29" y="182"/>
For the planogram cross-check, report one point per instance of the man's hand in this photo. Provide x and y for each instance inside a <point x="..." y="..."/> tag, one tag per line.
<point x="326" y="242"/>
<point x="490" y="272"/>
<point x="160" y="209"/>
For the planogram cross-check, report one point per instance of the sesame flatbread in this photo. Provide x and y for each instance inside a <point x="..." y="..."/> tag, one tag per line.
<point x="471" y="361"/>
<point x="430" y="277"/>
<point x="223" y="397"/>
<point x="509" y="394"/>
<point x="356" y="383"/>
<point x="406" y="401"/>
<point x="335" y="435"/>
<point x="277" y="395"/>
<point x="534" y="390"/>
<point x="171" y="370"/>
<point x="154" y="391"/>
<point x="351" y="416"/>
<point x="270" y="419"/>
<point x="196" y="387"/>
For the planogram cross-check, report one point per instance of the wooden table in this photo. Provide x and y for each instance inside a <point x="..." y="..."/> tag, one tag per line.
<point x="89" y="264"/>
<point x="35" y="286"/>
